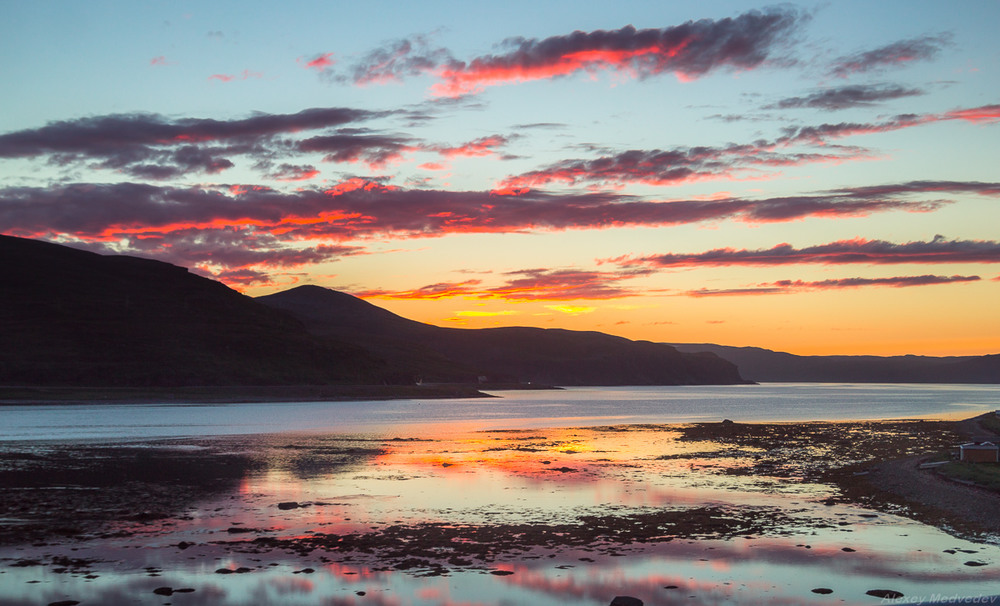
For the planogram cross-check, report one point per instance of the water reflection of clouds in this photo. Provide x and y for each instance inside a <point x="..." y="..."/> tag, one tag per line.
<point x="497" y="478"/>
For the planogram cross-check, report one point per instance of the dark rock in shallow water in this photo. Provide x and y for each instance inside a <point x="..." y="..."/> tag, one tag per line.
<point x="823" y="590"/>
<point x="624" y="600"/>
<point x="884" y="593"/>
<point x="64" y="603"/>
<point x="501" y="573"/>
<point x="289" y="505"/>
<point x="164" y="591"/>
<point x="975" y="563"/>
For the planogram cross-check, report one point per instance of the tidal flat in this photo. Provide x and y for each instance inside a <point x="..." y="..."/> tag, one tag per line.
<point x="704" y="513"/>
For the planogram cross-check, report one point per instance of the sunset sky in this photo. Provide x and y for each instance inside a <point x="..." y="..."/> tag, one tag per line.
<point x="817" y="177"/>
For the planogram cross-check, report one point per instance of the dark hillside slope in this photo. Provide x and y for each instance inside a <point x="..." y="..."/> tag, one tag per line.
<point x="71" y="317"/>
<point x="552" y="356"/>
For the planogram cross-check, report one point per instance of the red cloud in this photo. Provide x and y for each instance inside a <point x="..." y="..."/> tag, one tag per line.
<point x="483" y="146"/>
<point x="362" y="208"/>
<point x="789" y="286"/>
<point x="526" y="285"/>
<point x="986" y="113"/>
<point x="319" y="62"/>
<point x="246" y="75"/>
<point x="689" y="51"/>
<point x="856" y="251"/>
<point x="442" y="290"/>
<point x="161" y="60"/>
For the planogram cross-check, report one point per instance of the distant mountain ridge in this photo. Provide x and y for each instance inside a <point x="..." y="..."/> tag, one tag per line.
<point x="511" y="354"/>
<point x="764" y="365"/>
<point x="74" y="318"/>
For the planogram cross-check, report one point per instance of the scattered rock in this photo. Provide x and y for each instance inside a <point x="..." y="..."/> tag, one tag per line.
<point x="501" y="573"/>
<point x="671" y="587"/>
<point x="240" y="570"/>
<point x="975" y="563"/>
<point x="164" y="591"/>
<point x="289" y="505"/>
<point x="848" y="549"/>
<point x="564" y="469"/>
<point x="822" y="590"/>
<point x="184" y="545"/>
<point x="359" y="593"/>
<point x="888" y="594"/>
<point x="240" y="530"/>
<point x="624" y="600"/>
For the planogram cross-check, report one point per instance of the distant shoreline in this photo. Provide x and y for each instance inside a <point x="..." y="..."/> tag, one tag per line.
<point x="37" y="395"/>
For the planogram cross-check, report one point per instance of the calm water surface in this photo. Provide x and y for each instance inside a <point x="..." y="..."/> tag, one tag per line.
<point x="512" y="409"/>
<point x="533" y="458"/>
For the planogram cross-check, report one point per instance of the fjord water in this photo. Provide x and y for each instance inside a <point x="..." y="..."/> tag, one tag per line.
<point x="571" y="407"/>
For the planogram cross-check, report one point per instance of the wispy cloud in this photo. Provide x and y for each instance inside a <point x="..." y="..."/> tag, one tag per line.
<point x="154" y="146"/>
<point x="400" y="59"/>
<point x="845" y="97"/>
<point x="736" y="161"/>
<point x="857" y="251"/>
<point x="792" y="286"/>
<point x="244" y="75"/>
<point x="483" y="146"/>
<point x="897" y="54"/>
<point x="525" y="285"/>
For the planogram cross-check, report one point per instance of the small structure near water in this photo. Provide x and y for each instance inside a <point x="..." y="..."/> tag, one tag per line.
<point x="979" y="452"/>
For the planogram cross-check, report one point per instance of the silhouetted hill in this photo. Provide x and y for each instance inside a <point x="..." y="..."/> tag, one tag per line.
<point x="765" y="365"/>
<point x="71" y="317"/>
<point x="552" y="356"/>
